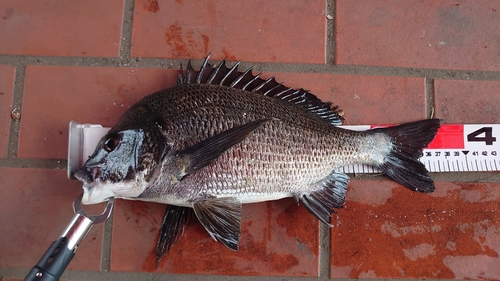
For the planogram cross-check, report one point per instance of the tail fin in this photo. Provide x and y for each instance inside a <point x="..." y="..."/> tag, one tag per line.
<point x="401" y="163"/>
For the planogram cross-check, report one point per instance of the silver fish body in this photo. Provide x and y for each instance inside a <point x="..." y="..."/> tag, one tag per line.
<point x="222" y="138"/>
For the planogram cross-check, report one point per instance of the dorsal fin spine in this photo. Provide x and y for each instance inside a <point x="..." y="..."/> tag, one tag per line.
<point x="215" y="71"/>
<point x="282" y="93"/>
<point x="202" y="69"/>
<point x="295" y="97"/>
<point x="316" y="110"/>
<point x="190" y="73"/>
<point x="273" y="88"/>
<point x="235" y="67"/>
<point x="181" y="79"/>
<point x="239" y="78"/>
<point x="261" y="84"/>
<point x="252" y="80"/>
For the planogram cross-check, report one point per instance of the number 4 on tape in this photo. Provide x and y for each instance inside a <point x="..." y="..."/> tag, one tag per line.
<point x="456" y="148"/>
<point x="488" y="137"/>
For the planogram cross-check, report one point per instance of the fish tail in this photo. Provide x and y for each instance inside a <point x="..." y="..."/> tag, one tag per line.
<point x="401" y="162"/>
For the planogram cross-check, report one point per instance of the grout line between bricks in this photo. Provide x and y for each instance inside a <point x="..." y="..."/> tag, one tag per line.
<point x="126" y="38"/>
<point x="330" y="32"/>
<point x="430" y="98"/>
<point x="324" y="251"/>
<point x="257" y="66"/>
<point x="17" y="101"/>
<point x="107" y="234"/>
<point x="36" y="163"/>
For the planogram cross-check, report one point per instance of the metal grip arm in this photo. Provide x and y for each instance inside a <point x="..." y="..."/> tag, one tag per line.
<point x="60" y="253"/>
<point x="53" y="263"/>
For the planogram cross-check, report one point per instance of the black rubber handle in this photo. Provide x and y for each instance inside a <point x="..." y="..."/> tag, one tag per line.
<point x="53" y="263"/>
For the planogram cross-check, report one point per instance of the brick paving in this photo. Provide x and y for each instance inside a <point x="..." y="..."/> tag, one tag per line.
<point x="382" y="61"/>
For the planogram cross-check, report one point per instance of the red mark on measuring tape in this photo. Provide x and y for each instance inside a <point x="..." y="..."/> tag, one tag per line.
<point x="449" y="136"/>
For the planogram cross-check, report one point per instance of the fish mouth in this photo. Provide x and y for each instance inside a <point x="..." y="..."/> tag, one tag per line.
<point x="98" y="188"/>
<point x="93" y="191"/>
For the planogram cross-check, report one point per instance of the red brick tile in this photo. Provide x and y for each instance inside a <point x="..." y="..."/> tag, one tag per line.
<point x="278" y="238"/>
<point x="35" y="207"/>
<point x="429" y="34"/>
<point x="365" y="99"/>
<point x="55" y="95"/>
<point x="387" y="231"/>
<point x="468" y="101"/>
<point x="6" y="91"/>
<point x="283" y="31"/>
<point x="69" y="28"/>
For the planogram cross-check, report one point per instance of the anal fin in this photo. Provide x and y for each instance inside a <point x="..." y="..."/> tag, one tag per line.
<point x="329" y="195"/>
<point x="174" y="222"/>
<point x="221" y="217"/>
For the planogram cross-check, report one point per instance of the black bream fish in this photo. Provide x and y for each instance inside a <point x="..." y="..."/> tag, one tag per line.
<point x="222" y="138"/>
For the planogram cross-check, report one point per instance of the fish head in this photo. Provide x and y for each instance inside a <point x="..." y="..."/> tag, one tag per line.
<point x="124" y="163"/>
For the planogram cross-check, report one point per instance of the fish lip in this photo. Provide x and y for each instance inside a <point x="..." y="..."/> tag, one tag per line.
<point x="83" y="175"/>
<point x="87" y="175"/>
<point x="94" y="187"/>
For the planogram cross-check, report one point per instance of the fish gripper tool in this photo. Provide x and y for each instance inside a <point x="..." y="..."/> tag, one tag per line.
<point x="60" y="253"/>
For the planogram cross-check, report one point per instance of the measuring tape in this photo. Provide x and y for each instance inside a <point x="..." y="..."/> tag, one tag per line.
<point x="456" y="148"/>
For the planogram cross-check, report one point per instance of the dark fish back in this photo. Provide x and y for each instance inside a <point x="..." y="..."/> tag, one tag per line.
<point x="198" y="111"/>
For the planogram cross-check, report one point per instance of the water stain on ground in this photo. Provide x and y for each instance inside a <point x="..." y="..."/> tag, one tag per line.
<point x="186" y="43"/>
<point x="151" y="5"/>
<point x="413" y="235"/>
<point x="280" y="263"/>
<point x="142" y="212"/>
<point x="257" y="254"/>
<point x="297" y="223"/>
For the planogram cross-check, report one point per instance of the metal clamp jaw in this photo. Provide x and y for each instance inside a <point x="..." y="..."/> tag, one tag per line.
<point x="60" y="253"/>
<point x="81" y="223"/>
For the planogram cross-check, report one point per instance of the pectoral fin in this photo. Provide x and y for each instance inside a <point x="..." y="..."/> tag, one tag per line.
<point x="221" y="217"/>
<point x="174" y="222"/>
<point x="206" y="151"/>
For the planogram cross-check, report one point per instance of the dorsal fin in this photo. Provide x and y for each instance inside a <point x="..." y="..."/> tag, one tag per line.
<point x="231" y="77"/>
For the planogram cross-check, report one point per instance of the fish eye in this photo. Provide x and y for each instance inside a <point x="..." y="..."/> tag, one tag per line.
<point x="110" y="143"/>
